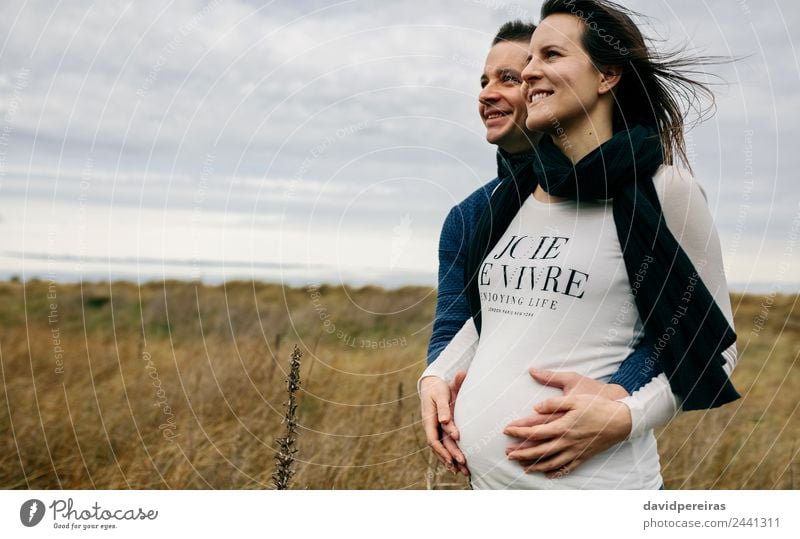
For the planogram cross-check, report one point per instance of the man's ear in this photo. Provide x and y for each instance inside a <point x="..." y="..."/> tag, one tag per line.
<point x="609" y="78"/>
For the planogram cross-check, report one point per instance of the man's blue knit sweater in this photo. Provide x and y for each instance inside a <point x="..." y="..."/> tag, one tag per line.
<point x="452" y="310"/>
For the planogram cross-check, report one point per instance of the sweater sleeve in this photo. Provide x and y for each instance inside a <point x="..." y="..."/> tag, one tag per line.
<point x="457" y="356"/>
<point x="636" y="371"/>
<point x="689" y="219"/>
<point x="452" y="309"/>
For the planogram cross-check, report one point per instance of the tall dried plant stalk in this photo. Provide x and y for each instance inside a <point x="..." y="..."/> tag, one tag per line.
<point x="286" y="445"/>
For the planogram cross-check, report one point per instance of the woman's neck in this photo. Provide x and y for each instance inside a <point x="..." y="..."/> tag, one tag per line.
<point x="576" y="144"/>
<point x="580" y="142"/>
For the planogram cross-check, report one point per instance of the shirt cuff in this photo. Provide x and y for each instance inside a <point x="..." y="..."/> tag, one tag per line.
<point x="431" y="372"/>
<point x="638" y="427"/>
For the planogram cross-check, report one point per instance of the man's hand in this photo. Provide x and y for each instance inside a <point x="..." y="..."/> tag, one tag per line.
<point x="571" y="383"/>
<point x="438" y="402"/>
<point x="588" y="425"/>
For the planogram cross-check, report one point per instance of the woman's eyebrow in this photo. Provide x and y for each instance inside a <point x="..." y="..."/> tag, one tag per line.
<point x="552" y="46"/>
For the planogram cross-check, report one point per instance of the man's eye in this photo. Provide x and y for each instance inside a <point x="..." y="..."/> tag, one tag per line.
<point x="508" y="77"/>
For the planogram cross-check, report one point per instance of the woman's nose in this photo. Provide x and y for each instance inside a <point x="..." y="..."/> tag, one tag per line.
<point x="532" y="70"/>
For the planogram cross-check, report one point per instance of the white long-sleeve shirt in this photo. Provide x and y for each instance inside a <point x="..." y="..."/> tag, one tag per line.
<point x="555" y="294"/>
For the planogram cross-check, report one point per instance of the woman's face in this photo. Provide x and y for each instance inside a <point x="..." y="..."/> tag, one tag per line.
<point x="563" y="90"/>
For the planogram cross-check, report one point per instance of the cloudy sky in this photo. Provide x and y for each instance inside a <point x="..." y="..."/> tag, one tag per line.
<point x="308" y="140"/>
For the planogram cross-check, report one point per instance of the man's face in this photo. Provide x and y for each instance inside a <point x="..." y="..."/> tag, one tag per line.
<point x="501" y="102"/>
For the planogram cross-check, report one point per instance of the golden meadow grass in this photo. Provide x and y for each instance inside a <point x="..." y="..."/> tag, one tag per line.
<point x="178" y="385"/>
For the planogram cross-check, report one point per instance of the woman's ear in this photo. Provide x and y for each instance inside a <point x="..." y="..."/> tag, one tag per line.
<point x="609" y="78"/>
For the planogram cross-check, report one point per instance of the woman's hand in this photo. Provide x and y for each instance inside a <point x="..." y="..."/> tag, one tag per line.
<point x="565" y="432"/>
<point x="589" y="425"/>
<point x="572" y="383"/>
<point x="438" y="402"/>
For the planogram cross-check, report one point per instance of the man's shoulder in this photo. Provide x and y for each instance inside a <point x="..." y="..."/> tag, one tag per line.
<point x="478" y="199"/>
<point x="463" y="216"/>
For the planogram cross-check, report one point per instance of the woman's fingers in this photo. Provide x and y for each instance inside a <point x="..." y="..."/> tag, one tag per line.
<point x="553" y="464"/>
<point x="561" y="380"/>
<point x="453" y="449"/>
<point x="430" y="424"/>
<point x="457" y="382"/>
<point x="460" y="464"/>
<point x="537" y="433"/>
<point x="556" y="404"/>
<point x="566" y="468"/>
<point x="455" y="387"/>
<point x="436" y="405"/>
<point x="538" y="452"/>
<point x="535" y="419"/>
<point x="432" y="437"/>
<point x="437" y="421"/>
<point x="527" y="444"/>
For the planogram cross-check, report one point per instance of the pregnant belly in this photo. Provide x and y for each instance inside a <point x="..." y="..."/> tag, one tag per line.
<point x="496" y="393"/>
<point x="492" y="396"/>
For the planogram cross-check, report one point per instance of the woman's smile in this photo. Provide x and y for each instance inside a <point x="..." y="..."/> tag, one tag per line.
<point x="534" y="96"/>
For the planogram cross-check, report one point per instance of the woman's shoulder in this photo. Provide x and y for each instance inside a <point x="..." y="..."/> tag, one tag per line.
<point x="683" y="203"/>
<point x="676" y="184"/>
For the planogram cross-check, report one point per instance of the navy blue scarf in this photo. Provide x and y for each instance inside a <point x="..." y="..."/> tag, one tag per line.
<point x="679" y="314"/>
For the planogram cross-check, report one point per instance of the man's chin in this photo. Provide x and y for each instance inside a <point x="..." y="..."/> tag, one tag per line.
<point x="495" y="138"/>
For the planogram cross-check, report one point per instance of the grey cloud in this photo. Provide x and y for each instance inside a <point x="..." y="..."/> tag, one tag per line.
<point x="262" y="88"/>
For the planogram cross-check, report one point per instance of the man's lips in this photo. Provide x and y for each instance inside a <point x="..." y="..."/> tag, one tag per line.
<point x="494" y="116"/>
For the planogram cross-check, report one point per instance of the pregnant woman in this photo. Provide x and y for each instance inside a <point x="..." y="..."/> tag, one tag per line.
<point x="603" y="241"/>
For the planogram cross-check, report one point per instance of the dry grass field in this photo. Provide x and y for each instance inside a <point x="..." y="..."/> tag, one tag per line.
<point x="178" y="385"/>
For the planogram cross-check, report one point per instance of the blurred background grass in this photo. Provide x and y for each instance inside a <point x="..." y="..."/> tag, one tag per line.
<point x="219" y="355"/>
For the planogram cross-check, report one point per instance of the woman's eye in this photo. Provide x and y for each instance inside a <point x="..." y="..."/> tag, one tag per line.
<point x="551" y="54"/>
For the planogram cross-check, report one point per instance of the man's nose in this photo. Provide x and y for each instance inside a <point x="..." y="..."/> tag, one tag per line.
<point x="488" y="95"/>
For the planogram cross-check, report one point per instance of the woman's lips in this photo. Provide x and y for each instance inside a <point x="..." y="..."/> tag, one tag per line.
<point x="537" y="96"/>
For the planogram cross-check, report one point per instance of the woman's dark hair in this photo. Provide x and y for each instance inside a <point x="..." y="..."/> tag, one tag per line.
<point x="656" y="88"/>
<point x="515" y="30"/>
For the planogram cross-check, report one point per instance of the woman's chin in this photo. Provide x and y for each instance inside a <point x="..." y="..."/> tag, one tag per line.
<point x="541" y="125"/>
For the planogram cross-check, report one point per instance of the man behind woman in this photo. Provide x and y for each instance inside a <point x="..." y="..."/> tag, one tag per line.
<point x="562" y="240"/>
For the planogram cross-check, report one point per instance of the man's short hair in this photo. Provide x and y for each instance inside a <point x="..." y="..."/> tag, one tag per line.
<point x="515" y="30"/>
